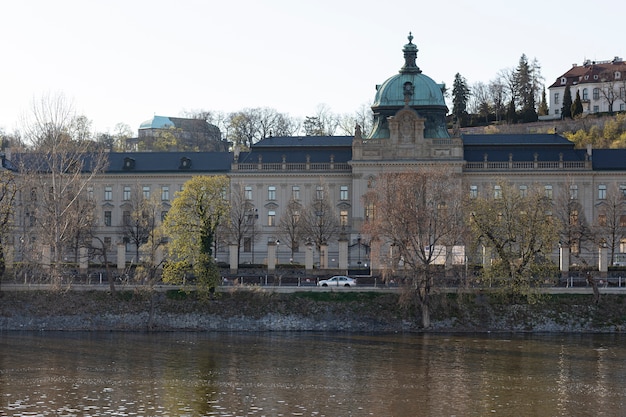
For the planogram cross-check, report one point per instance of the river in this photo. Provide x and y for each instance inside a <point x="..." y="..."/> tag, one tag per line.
<point x="311" y="374"/>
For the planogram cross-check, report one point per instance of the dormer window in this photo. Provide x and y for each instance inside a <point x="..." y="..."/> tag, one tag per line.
<point x="595" y="77"/>
<point x="618" y="75"/>
<point x="185" y="163"/>
<point x="129" y="163"/>
<point x="563" y="80"/>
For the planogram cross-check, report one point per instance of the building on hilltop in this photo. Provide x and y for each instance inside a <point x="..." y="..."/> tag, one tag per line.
<point x="177" y="134"/>
<point x="601" y="85"/>
<point x="409" y="134"/>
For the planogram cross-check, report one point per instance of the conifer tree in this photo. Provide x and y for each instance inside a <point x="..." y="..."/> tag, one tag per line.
<point x="543" y="106"/>
<point x="460" y="98"/>
<point x="577" y="106"/>
<point x="566" y="110"/>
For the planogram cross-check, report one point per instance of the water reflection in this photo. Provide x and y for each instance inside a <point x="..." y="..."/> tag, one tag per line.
<point x="308" y="374"/>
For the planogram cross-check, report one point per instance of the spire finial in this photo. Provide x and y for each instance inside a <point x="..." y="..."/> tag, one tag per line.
<point x="410" y="54"/>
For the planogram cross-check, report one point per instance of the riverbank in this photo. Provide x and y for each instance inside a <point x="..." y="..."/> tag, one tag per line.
<point x="259" y="310"/>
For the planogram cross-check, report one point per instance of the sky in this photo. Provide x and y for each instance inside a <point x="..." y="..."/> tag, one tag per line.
<point x="124" y="61"/>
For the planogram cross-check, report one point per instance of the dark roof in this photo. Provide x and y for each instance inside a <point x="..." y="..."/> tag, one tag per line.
<point x="304" y="142"/>
<point x="608" y="159"/>
<point x="169" y="162"/>
<point x="519" y="139"/>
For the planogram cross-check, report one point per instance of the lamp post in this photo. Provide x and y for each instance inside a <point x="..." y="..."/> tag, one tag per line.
<point x="277" y="247"/>
<point x="254" y="214"/>
<point x="358" y="239"/>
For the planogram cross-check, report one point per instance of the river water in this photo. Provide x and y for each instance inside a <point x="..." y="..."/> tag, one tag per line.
<point x="311" y="374"/>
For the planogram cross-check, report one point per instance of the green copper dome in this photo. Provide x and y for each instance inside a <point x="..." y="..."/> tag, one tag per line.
<point x="410" y="88"/>
<point x="410" y="84"/>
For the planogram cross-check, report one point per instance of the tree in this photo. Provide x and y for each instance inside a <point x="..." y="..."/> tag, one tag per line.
<point x="566" y="110"/>
<point x="8" y="192"/>
<point x="611" y="223"/>
<point x="543" y="104"/>
<point x="289" y="225"/>
<point x="241" y="221"/>
<point x="250" y="125"/>
<point x="191" y="225"/>
<point x="319" y="221"/>
<point x="460" y="98"/>
<point x="140" y="217"/>
<point x="577" y="106"/>
<point x="56" y="170"/>
<point x="517" y="225"/>
<point x="573" y="228"/>
<point x="608" y="89"/>
<point x="417" y="215"/>
<point x="498" y="97"/>
<point x="526" y="84"/>
<point x="481" y="101"/>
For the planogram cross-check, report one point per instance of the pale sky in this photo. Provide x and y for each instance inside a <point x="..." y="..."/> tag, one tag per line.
<point x="125" y="61"/>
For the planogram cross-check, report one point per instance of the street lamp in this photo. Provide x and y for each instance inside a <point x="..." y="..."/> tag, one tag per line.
<point x="253" y="216"/>
<point x="358" y="239"/>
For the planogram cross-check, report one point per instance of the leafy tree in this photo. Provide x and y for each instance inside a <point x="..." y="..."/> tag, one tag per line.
<point x="518" y="227"/>
<point x="577" y="106"/>
<point x="416" y="215"/>
<point x="460" y="98"/>
<point x="566" y="110"/>
<point x="191" y="225"/>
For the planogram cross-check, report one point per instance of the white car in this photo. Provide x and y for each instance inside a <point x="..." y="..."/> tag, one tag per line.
<point x="337" y="281"/>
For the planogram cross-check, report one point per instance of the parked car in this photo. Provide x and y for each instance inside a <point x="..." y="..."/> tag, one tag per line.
<point x="337" y="281"/>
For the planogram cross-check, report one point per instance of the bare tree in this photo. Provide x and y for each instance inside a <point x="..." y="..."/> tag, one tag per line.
<point x="611" y="223"/>
<point x="480" y="101"/>
<point x="417" y="215"/>
<point x="289" y="226"/>
<point x="56" y="169"/>
<point x="497" y="92"/>
<point x="8" y="191"/>
<point x="139" y="218"/>
<point x="609" y="89"/>
<point x="241" y="221"/>
<point x="319" y="221"/>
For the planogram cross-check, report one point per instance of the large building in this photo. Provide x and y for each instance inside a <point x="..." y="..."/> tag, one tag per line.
<point x="409" y="133"/>
<point x="600" y="84"/>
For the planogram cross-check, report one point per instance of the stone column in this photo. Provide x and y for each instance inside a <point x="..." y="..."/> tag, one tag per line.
<point x="324" y="257"/>
<point x="46" y="254"/>
<point x="121" y="256"/>
<point x="271" y="256"/>
<point x="343" y="253"/>
<point x="83" y="260"/>
<point x="232" y="258"/>
<point x="564" y="261"/>
<point x="486" y="257"/>
<point x="308" y="257"/>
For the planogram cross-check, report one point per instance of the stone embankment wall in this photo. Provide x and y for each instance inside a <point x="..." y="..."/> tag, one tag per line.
<point x="334" y="311"/>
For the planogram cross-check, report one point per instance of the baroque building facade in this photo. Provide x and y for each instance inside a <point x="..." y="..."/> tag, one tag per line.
<point x="409" y="133"/>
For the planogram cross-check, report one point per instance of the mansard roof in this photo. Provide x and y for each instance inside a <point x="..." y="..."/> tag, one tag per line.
<point x="304" y="142"/>
<point x="169" y="162"/>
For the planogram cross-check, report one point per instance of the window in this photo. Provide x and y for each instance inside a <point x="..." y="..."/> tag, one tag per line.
<point x="573" y="192"/>
<point x="165" y="193"/>
<point x="622" y="245"/>
<point x="107" y="218"/>
<point x="548" y="190"/>
<point x="622" y="107"/>
<point x="271" y="192"/>
<point x="295" y="192"/>
<point x="523" y="190"/>
<point x="618" y="75"/>
<point x="602" y="219"/>
<point x="573" y="217"/>
<point x="248" y="192"/>
<point x="271" y="218"/>
<point x="622" y="189"/>
<point x="126" y="195"/>
<point x="319" y="192"/>
<point x="108" y="193"/>
<point x="126" y="218"/>
<point x="585" y="94"/>
<point x="556" y="98"/>
<point x="107" y="242"/>
<point x="596" y="109"/>
<point x="473" y="191"/>
<point x="146" y="192"/>
<point x="574" y="246"/>
<point x="343" y="218"/>
<point x="497" y="191"/>
<point x="622" y="93"/>
<point x="163" y="216"/>
<point x="622" y="221"/>
<point x="343" y="192"/>
<point x="247" y="244"/>
<point x="90" y="193"/>
<point x="596" y="94"/>
<point x="601" y="192"/>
